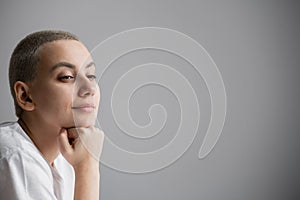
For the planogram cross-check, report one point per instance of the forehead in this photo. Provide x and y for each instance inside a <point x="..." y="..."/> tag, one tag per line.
<point x="70" y="51"/>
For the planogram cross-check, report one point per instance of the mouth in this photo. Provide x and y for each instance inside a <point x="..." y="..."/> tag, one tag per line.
<point x="84" y="107"/>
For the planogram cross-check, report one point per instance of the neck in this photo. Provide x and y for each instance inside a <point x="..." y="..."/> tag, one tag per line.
<point x="42" y="135"/>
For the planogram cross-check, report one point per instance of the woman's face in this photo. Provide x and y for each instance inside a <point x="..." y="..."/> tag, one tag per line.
<point x="65" y="92"/>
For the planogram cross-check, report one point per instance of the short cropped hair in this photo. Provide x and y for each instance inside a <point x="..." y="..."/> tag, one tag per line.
<point x="25" y="58"/>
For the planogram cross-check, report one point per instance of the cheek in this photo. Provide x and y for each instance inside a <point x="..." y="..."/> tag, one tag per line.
<point x="97" y="96"/>
<point x="55" y="100"/>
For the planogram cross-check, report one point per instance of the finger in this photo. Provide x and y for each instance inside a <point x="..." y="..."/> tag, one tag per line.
<point x="72" y="133"/>
<point x="72" y="136"/>
<point x="102" y="137"/>
<point x="63" y="142"/>
<point x="92" y="139"/>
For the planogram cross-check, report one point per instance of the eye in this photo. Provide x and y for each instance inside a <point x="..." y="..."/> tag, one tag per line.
<point x="91" y="77"/>
<point x="66" y="77"/>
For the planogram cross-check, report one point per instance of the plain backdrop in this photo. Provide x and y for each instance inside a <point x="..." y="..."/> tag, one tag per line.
<point x="255" y="45"/>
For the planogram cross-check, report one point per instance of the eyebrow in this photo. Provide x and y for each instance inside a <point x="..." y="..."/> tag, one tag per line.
<point x="69" y="65"/>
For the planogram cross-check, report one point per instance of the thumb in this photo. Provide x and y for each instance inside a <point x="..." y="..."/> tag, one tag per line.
<point x="63" y="142"/>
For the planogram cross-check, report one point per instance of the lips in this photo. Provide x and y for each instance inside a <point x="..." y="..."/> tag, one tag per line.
<point x="84" y="107"/>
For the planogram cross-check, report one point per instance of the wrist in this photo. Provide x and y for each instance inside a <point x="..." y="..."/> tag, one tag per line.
<point x="88" y="165"/>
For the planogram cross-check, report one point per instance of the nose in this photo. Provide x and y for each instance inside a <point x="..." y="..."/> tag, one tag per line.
<point x="86" y="87"/>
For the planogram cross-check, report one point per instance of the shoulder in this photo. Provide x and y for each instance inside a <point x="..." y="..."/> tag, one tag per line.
<point x="16" y="146"/>
<point x="23" y="169"/>
<point x="13" y="138"/>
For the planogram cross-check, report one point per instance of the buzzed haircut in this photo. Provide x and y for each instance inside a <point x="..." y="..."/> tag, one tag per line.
<point x="25" y="58"/>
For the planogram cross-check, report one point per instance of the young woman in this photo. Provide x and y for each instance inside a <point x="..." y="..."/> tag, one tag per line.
<point x="52" y="151"/>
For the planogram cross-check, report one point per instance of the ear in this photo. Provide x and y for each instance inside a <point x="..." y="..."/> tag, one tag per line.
<point x="23" y="96"/>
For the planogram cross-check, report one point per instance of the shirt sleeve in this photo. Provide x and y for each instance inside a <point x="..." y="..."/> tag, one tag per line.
<point x="24" y="177"/>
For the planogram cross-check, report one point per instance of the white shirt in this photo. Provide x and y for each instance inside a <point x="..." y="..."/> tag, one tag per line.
<point x="24" y="172"/>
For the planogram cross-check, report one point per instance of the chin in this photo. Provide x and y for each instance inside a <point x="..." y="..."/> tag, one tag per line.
<point x="79" y="123"/>
<point x="85" y="122"/>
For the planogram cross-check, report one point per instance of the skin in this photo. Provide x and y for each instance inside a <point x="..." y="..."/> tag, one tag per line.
<point x="62" y="101"/>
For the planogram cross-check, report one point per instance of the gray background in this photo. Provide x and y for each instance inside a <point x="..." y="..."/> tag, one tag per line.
<point x="255" y="44"/>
